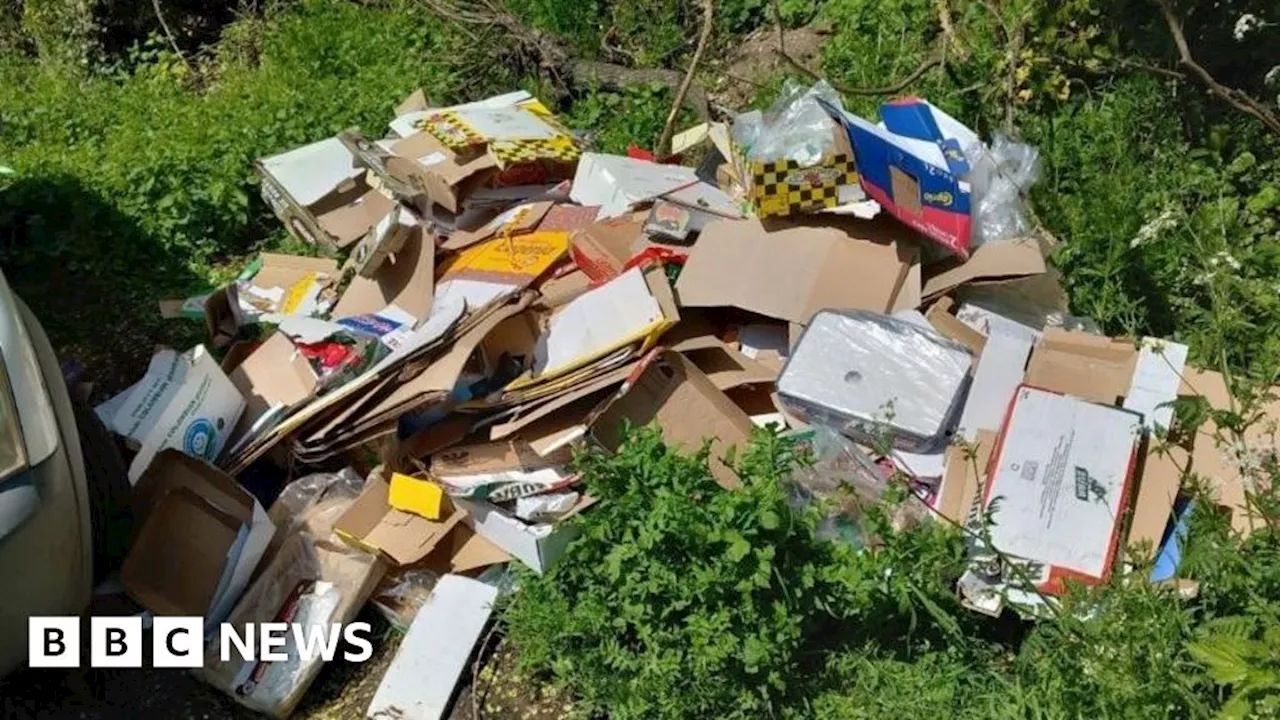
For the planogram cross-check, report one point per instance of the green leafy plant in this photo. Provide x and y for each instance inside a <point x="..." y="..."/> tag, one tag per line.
<point x="1238" y="657"/>
<point x="680" y="599"/>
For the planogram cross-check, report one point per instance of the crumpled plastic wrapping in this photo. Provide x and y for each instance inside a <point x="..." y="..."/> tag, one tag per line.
<point x="315" y="501"/>
<point x="843" y="478"/>
<point x="1000" y="176"/>
<point x="875" y="377"/>
<point x="400" y="595"/>
<point x="327" y="579"/>
<point x="796" y="127"/>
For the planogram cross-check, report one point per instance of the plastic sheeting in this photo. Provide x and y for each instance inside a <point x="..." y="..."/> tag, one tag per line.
<point x="875" y="377"/>
<point x="796" y="127"/>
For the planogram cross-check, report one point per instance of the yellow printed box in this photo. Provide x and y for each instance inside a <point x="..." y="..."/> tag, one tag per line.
<point x="776" y="188"/>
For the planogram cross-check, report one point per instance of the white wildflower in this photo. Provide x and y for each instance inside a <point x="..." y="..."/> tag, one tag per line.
<point x="1273" y="76"/>
<point x="1247" y="23"/>
<point x="1157" y="226"/>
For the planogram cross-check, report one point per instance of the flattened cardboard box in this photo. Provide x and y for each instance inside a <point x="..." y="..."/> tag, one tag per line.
<point x="792" y="273"/>
<point x="688" y="407"/>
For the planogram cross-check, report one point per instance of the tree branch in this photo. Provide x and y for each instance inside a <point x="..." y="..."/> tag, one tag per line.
<point x="155" y="4"/>
<point x="664" y="140"/>
<point x="1238" y="99"/>
<point x="937" y="58"/>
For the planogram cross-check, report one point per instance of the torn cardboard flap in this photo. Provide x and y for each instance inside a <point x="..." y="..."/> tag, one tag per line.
<point x="966" y="470"/>
<point x="941" y="316"/>
<point x="791" y="273"/>
<point x="603" y="248"/>
<point x="1219" y="463"/>
<point x="407" y="281"/>
<point x="463" y="551"/>
<point x="273" y="375"/>
<point x="1087" y="366"/>
<point x="687" y="406"/>
<point x="991" y="263"/>
<point x="440" y="173"/>
<point x="515" y="221"/>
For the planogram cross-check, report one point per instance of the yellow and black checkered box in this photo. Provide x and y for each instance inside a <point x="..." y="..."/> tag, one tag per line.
<point x="783" y="187"/>
<point x="516" y="152"/>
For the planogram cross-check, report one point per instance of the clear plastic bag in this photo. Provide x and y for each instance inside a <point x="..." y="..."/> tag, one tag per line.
<point x="843" y="478"/>
<point x="399" y="596"/>
<point x="796" y="127"/>
<point x="315" y="501"/>
<point x="1000" y="176"/>
<point x="876" y="378"/>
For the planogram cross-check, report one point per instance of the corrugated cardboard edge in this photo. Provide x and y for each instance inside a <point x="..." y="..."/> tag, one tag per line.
<point x="1005" y="260"/>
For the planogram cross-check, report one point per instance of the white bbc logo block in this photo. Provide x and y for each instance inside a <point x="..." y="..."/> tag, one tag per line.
<point x="176" y="642"/>
<point x="115" y="642"/>
<point x="53" y="642"/>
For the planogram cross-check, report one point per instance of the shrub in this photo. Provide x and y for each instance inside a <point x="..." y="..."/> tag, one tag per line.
<point x="679" y="599"/>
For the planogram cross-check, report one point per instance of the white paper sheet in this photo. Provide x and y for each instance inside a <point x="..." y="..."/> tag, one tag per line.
<point x="617" y="183"/>
<point x="1156" y="380"/>
<point x="596" y="321"/>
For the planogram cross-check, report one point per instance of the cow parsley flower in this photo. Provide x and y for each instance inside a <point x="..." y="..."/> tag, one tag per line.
<point x="1247" y="23"/>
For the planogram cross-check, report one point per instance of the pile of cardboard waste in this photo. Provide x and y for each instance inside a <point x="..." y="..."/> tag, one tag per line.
<point x="505" y="296"/>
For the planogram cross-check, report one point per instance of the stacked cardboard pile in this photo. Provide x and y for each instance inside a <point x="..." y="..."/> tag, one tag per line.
<point x="508" y="297"/>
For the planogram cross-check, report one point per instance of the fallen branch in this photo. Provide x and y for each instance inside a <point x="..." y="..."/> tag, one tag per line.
<point x="155" y="4"/>
<point x="937" y="58"/>
<point x="1238" y="99"/>
<point x="553" y="58"/>
<point x="663" y="147"/>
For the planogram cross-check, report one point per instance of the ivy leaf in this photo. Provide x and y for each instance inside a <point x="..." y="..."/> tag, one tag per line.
<point x="769" y="520"/>
<point x="738" y="547"/>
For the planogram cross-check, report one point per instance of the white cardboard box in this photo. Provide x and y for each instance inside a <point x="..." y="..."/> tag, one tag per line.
<point x="538" y="545"/>
<point x="1062" y="470"/>
<point x="185" y="402"/>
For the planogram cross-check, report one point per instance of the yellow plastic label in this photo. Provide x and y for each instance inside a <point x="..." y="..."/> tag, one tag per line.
<point x="297" y="293"/>
<point x="420" y="497"/>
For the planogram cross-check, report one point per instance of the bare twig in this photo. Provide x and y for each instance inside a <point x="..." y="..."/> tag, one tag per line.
<point x="937" y="58"/>
<point x="1011" y="77"/>
<point x="948" y="30"/>
<point x="155" y="4"/>
<point x="664" y="140"/>
<point x="1238" y="99"/>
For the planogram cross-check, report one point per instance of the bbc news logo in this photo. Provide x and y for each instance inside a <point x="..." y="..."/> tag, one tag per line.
<point x="177" y="642"/>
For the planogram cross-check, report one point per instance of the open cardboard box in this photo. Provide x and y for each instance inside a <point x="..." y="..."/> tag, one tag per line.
<point x="1144" y="377"/>
<point x="320" y="195"/>
<point x="372" y="525"/>
<point x="200" y="536"/>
